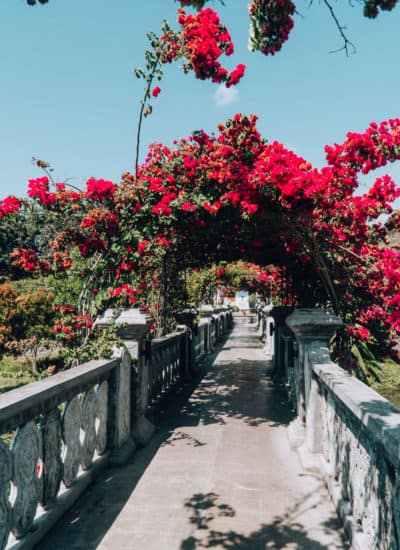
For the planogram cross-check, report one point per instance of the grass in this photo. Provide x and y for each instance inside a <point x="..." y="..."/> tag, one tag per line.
<point x="380" y="373"/>
<point x="14" y="372"/>
<point x="388" y="384"/>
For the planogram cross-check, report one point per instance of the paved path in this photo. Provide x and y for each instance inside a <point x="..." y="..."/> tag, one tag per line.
<point x="218" y="474"/>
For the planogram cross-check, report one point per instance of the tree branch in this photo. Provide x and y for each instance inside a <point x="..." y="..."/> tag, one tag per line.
<point x="143" y="104"/>
<point x="348" y="46"/>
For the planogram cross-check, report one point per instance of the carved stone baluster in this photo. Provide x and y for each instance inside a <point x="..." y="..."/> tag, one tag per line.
<point x="176" y="360"/>
<point x="52" y="463"/>
<point x="5" y="508"/>
<point x="153" y="378"/>
<point x="101" y="417"/>
<point x="179" y="369"/>
<point x="171" y="366"/>
<point x="89" y="428"/>
<point x="26" y="491"/>
<point x="165" y="370"/>
<point x="173" y="363"/>
<point x="71" y="425"/>
<point x="160" y="375"/>
<point x="167" y="360"/>
<point x="161" y="367"/>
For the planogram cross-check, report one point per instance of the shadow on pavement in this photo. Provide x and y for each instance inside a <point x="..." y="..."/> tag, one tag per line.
<point x="283" y="532"/>
<point x="234" y="388"/>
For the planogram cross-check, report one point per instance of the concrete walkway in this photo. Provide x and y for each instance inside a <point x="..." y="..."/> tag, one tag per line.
<point x="218" y="474"/>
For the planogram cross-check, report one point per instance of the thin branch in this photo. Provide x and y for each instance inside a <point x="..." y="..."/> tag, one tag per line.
<point x="47" y="169"/>
<point x="84" y="290"/>
<point x="348" y="46"/>
<point x="72" y="186"/>
<point x="315" y="252"/>
<point x="350" y="252"/>
<point x="143" y="104"/>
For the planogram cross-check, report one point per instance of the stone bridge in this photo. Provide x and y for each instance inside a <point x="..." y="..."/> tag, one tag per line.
<point x="231" y="435"/>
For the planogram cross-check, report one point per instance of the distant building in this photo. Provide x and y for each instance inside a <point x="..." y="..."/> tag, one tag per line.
<point x="242" y="299"/>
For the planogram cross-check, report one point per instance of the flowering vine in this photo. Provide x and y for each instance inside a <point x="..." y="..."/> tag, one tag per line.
<point x="234" y="196"/>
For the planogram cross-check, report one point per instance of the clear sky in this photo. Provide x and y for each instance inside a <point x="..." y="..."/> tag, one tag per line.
<point x="68" y="94"/>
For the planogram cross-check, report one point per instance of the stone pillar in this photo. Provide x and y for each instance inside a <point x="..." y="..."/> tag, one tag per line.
<point x="230" y="318"/>
<point x="134" y="326"/>
<point x="186" y="351"/>
<point x="266" y="335"/>
<point x="207" y="311"/>
<point x="279" y="315"/>
<point x="313" y="329"/>
<point x="217" y="332"/>
<point x="119" y="436"/>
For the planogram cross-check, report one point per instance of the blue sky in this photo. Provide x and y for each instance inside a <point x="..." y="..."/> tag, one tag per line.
<point x="68" y="94"/>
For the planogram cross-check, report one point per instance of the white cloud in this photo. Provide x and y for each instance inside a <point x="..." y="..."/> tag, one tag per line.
<point x="225" y="96"/>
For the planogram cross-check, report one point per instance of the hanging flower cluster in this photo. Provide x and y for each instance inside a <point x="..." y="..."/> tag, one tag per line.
<point x="271" y="23"/>
<point x="201" y="41"/>
<point x="271" y="20"/>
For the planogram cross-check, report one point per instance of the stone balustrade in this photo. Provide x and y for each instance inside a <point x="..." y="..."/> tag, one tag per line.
<point x="346" y="432"/>
<point x="245" y="318"/>
<point x="201" y="340"/>
<point x="63" y="430"/>
<point x="66" y="429"/>
<point x="168" y="364"/>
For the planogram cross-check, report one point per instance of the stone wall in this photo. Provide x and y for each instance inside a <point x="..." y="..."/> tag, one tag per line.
<point x="347" y="433"/>
<point x="359" y="434"/>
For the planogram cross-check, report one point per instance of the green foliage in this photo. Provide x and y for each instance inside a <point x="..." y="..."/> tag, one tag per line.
<point x="14" y="373"/>
<point x="201" y="286"/>
<point x="25" y="321"/>
<point x="10" y="317"/>
<point x="388" y="384"/>
<point x="97" y="345"/>
<point x="36" y="313"/>
<point x="36" y="310"/>
<point x="366" y="365"/>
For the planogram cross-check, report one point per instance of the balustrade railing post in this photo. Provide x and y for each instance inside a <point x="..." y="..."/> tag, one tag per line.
<point x="230" y="319"/>
<point x="206" y="311"/>
<point x="267" y="330"/>
<point x="186" y="353"/>
<point x="134" y="325"/>
<point x="278" y="314"/>
<point x="313" y="329"/>
<point x="119" y="437"/>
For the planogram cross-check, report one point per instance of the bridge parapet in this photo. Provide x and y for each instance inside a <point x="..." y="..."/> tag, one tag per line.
<point x="59" y="433"/>
<point x="357" y="437"/>
<point x="349" y="433"/>
<point x="64" y="430"/>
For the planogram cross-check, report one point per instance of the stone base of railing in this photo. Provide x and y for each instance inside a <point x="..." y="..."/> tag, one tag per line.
<point x="65" y="500"/>
<point x="143" y="431"/>
<point x="121" y="456"/>
<point x="359" y="541"/>
<point x="296" y="433"/>
<point x="353" y="446"/>
<point x="314" y="464"/>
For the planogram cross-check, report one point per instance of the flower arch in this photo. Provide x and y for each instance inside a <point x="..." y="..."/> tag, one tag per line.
<point x="230" y="196"/>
